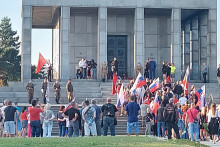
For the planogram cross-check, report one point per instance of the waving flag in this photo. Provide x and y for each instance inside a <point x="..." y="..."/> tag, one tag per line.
<point x="186" y="81"/>
<point x="114" y="80"/>
<point x="168" y="79"/>
<point x="141" y="81"/>
<point x="156" y="104"/>
<point x="121" y="97"/>
<point x="155" y="85"/>
<point x="201" y="97"/>
<point x="41" y="62"/>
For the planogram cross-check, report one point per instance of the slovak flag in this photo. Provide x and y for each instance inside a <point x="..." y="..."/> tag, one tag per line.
<point x="155" y="85"/>
<point x="121" y="96"/>
<point x="201" y="97"/>
<point x="186" y="81"/>
<point x="139" y="82"/>
<point x="156" y="104"/>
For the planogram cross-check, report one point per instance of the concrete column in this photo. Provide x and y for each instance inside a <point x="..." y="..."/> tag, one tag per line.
<point x="212" y="45"/>
<point x="102" y="39"/>
<point x="64" y="43"/>
<point x="176" y="41"/>
<point x="186" y="46"/>
<point x="194" y="41"/>
<point x="139" y="53"/>
<point x="26" y="42"/>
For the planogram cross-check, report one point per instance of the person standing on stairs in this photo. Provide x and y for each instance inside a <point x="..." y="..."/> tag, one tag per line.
<point x="30" y="90"/>
<point x="56" y="87"/>
<point x="69" y="89"/>
<point x="44" y="89"/>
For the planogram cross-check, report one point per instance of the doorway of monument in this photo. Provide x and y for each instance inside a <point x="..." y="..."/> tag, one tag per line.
<point x="117" y="47"/>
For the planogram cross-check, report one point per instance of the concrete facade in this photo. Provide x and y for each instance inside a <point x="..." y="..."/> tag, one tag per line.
<point x="163" y="30"/>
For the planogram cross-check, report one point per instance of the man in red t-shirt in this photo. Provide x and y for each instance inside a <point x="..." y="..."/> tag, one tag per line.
<point x="35" y="119"/>
<point x="192" y="117"/>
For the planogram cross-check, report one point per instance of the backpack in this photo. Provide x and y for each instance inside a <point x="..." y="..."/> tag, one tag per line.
<point x="109" y="110"/>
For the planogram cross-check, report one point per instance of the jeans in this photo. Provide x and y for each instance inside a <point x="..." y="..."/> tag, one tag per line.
<point x="152" y="74"/>
<point x="73" y="129"/>
<point x="35" y="128"/>
<point x="93" y="73"/>
<point x="90" y="129"/>
<point x="62" y="130"/>
<point x="98" y="127"/>
<point x="148" y="128"/>
<point x="204" y="76"/>
<point x="47" y="130"/>
<point x="84" y="73"/>
<point x="133" y="124"/>
<point x="175" y="127"/>
<point x="108" y="122"/>
<point x="159" y="124"/>
<point x="194" y="129"/>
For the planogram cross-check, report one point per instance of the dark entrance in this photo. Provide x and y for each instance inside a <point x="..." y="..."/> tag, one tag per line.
<point x="117" y="47"/>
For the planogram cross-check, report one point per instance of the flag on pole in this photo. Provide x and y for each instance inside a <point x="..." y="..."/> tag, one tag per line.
<point x="114" y="80"/>
<point x="155" y="85"/>
<point x="156" y="104"/>
<point x="121" y="97"/>
<point x="139" y="82"/>
<point x="186" y="81"/>
<point x="41" y="62"/>
<point x="168" y="79"/>
<point x="201" y="97"/>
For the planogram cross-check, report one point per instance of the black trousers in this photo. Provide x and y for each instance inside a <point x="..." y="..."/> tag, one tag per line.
<point x="204" y="77"/>
<point x="176" y="130"/>
<point x="49" y="75"/>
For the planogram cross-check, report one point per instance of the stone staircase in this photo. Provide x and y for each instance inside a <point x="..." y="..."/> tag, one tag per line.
<point x="84" y="89"/>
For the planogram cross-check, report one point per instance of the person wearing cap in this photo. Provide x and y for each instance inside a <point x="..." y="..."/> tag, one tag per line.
<point x="114" y="65"/>
<point x="98" y="116"/>
<point x="171" y="118"/>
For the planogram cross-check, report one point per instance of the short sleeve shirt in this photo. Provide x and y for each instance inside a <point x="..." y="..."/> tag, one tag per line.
<point x="71" y="113"/>
<point x="192" y="114"/>
<point x="9" y="113"/>
<point x="132" y="110"/>
<point x="34" y="113"/>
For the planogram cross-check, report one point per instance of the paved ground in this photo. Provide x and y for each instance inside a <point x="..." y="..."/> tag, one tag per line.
<point x="217" y="144"/>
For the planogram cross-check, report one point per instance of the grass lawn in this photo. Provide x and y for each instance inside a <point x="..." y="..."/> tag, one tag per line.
<point x="95" y="141"/>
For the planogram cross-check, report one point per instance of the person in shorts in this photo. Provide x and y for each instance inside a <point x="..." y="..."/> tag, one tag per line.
<point x="9" y="125"/>
<point x="24" y="121"/>
<point x="18" y="126"/>
<point x="132" y="110"/>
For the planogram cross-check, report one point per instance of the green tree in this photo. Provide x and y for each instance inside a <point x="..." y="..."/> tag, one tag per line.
<point x="10" y="59"/>
<point x="40" y="75"/>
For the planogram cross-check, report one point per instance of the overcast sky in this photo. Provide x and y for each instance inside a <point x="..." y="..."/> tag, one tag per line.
<point x="42" y="38"/>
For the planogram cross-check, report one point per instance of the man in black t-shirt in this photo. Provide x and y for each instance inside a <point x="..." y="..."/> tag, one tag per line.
<point x="73" y="114"/>
<point x="109" y="117"/>
<point x="9" y="125"/>
<point x="160" y="120"/>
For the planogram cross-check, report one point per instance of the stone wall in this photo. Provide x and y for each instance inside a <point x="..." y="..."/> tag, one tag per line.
<point x="157" y="39"/>
<point x="123" y="24"/>
<point x="83" y="39"/>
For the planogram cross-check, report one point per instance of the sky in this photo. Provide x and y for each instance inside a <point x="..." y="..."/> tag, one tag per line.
<point x="42" y="38"/>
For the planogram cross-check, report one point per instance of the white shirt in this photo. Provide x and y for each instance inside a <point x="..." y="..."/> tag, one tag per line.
<point x="80" y="63"/>
<point x="144" y="109"/>
<point x="84" y="65"/>
<point x="182" y="100"/>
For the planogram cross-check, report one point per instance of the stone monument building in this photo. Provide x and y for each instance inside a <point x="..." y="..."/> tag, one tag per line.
<point x="179" y="31"/>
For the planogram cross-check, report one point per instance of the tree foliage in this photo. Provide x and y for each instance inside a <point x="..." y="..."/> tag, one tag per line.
<point x="40" y="75"/>
<point x="10" y="59"/>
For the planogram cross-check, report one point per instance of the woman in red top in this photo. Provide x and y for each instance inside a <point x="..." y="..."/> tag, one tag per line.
<point x="24" y="121"/>
<point x="35" y="119"/>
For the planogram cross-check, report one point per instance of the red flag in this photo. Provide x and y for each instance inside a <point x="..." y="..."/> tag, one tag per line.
<point x="114" y="80"/>
<point x="41" y="62"/>
<point x="168" y="79"/>
<point x="186" y="81"/>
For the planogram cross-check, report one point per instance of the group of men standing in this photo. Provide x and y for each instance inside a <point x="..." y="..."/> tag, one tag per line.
<point x="45" y="90"/>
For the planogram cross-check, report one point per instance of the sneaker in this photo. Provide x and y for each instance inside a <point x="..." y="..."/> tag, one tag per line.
<point x="210" y="140"/>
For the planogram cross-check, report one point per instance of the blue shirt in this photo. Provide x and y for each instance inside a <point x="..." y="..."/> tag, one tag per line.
<point x="98" y="112"/>
<point x="132" y="111"/>
<point x="19" y="110"/>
